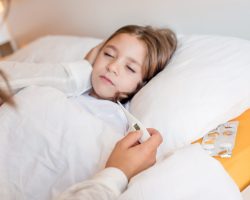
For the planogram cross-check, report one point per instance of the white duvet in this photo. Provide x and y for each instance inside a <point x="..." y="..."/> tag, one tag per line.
<point x="49" y="143"/>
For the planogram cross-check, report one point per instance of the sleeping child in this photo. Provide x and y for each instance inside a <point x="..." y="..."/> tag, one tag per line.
<point x="49" y="144"/>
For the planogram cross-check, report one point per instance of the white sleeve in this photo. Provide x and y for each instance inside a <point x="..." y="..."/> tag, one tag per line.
<point x="106" y="185"/>
<point x="71" y="78"/>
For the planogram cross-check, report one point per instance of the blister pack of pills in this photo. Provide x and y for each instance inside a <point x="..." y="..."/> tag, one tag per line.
<point x="220" y="141"/>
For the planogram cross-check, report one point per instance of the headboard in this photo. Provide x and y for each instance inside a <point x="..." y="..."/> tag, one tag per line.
<point x="30" y="19"/>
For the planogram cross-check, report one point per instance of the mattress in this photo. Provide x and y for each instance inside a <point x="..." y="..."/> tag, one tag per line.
<point x="238" y="166"/>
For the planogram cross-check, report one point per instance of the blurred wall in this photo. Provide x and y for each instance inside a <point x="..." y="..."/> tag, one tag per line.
<point x="30" y="19"/>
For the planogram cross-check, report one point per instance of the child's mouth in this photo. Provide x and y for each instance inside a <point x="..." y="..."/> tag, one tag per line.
<point x="105" y="79"/>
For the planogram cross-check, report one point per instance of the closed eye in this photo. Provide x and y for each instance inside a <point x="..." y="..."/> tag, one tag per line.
<point x="109" y="55"/>
<point x="130" y="69"/>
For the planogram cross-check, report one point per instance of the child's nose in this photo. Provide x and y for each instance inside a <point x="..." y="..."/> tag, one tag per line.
<point x="113" y="67"/>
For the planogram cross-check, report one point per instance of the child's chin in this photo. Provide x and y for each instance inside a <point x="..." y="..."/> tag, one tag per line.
<point x="106" y="96"/>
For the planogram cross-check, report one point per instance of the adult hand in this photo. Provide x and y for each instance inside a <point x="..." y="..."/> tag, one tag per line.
<point x="132" y="157"/>
<point x="92" y="54"/>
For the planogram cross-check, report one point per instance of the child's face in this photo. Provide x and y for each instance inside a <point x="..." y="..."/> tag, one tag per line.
<point x="118" y="66"/>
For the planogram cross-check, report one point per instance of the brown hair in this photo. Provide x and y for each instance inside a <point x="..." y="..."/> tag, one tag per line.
<point x="4" y="95"/>
<point x="160" y="44"/>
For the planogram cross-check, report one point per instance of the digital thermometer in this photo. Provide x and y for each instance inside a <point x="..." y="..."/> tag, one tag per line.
<point x="135" y="124"/>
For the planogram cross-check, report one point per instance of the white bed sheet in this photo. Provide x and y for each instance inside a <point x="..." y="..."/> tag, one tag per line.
<point x="51" y="143"/>
<point x="187" y="174"/>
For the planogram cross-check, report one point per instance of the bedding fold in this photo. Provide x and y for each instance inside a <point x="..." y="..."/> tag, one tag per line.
<point x="50" y="144"/>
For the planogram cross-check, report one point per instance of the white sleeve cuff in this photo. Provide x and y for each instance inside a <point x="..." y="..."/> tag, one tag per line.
<point x="112" y="178"/>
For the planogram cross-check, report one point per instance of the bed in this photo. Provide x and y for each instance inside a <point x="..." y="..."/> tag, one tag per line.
<point x="204" y="85"/>
<point x="238" y="166"/>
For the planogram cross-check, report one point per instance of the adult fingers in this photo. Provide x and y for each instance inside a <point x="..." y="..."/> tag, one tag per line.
<point x="154" y="141"/>
<point x="130" y="139"/>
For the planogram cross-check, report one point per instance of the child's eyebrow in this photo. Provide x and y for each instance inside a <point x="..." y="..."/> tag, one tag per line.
<point x="134" y="61"/>
<point x="129" y="58"/>
<point x="111" y="47"/>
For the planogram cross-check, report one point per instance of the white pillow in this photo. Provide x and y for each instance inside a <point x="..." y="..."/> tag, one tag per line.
<point x="55" y="48"/>
<point x="205" y="84"/>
